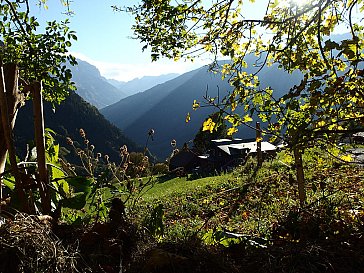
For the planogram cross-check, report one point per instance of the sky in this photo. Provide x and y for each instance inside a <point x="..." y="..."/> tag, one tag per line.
<point x="104" y="40"/>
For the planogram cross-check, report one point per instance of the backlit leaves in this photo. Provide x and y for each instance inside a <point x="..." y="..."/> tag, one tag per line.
<point x="296" y="38"/>
<point x="247" y="118"/>
<point x="232" y="131"/>
<point x="40" y="54"/>
<point x="195" y="105"/>
<point x="188" y="118"/>
<point x="208" y="125"/>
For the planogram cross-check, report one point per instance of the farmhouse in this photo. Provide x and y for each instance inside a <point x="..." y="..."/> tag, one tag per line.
<point x="225" y="153"/>
<point x="230" y="152"/>
<point x="185" y="159"/>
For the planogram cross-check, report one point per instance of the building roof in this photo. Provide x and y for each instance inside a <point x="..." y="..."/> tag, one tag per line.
<point x="359" y="134"/>
<point x="232" y="147"/>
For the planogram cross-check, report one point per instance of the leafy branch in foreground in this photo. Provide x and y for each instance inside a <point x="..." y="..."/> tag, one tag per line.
<point x="298" y="38"/>
<point x="33" y="64"/>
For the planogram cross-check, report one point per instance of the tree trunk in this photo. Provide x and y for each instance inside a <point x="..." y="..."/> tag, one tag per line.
<point x="259" y="144"/>
<point x="10" y="100"/>
<point x="40" y="144"/>
<point x="300" y="176"/>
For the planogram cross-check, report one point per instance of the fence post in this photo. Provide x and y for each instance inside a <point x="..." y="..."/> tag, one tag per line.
<point x="10" y="98"/>
<point x="40" y="145"/>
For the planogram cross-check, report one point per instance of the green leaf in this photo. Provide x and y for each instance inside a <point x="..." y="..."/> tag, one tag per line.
<point x="208" y="125"/>
<point x="80" y="184"/>
<point x="9" y="183"/>
<point x="78" y="201"/>
<point x="247" y="118"/>
<point x="188" y="118"/>
<point x="231" y="131"/>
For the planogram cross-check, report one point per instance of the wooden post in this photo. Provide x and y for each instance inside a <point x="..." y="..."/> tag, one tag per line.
<point x="259" y="144"/>
<point x="40" y="145"/>
<point x="9" y="99"/>
<point x="300" y="176"/>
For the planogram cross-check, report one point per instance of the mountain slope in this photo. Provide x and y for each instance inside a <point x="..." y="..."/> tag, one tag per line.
<point x="165" y="106"/>
<point x="92" y="87"/>
<point x="167" y="117"/>
<point x="128" y="110"/>
<point x="70" y="116"/>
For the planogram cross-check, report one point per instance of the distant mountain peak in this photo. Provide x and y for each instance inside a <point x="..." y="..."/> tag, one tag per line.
<point x="92" y="87"/>
<point x="141" y="84"/>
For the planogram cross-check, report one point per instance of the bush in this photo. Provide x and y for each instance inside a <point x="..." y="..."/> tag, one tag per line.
<point x="160" y="168"/>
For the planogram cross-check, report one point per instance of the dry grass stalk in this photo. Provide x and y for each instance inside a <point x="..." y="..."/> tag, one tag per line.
<point x="36" y="248"/>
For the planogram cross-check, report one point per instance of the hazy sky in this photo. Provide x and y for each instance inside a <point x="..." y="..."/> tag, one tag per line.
<point x="104" y="38"/>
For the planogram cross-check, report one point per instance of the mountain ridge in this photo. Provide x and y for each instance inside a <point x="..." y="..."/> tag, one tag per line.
<point x="138" y="85"/>
<point x="150" y="97"/>
<point x="166" y="113"/>
<point x="92" y="87"/>
<point x="68" y="118"/>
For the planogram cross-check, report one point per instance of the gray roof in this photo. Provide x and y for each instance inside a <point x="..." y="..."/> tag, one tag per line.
<point x="251" y="147"/>
<point x="359" y="134"/>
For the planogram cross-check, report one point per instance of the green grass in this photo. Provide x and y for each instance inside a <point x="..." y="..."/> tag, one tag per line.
<point x="182" y="186"/>
<point x="261" y="203"/>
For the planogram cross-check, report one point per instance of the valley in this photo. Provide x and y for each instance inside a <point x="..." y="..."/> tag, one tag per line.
<point x="164" y="107"/>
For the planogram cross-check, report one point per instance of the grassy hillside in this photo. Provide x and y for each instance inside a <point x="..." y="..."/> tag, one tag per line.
<point x="264" y="203"/>
<point x="250" y="220"/>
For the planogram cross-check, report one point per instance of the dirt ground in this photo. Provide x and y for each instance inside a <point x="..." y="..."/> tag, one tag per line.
<point x="28" y="244"/>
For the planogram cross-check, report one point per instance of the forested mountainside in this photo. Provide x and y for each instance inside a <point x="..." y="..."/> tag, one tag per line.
<point x="164" y="107"/>
<point x="67" y="119"/>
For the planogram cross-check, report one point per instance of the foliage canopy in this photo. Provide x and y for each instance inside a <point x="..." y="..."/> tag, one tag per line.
<point x="296" y="37"/>
<point x="39" y="56"/>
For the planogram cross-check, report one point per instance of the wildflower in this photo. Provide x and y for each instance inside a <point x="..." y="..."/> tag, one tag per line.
<point x="106" y="158"/>
<point x="82" y="133"/>
<point x="87" y="141"/>
<point x="92" y="147"/>
<point x="69" y="141"/>
<point x="151" y="133"/>
<point x="124" y="150"/>
<point x="98" y="155"/>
